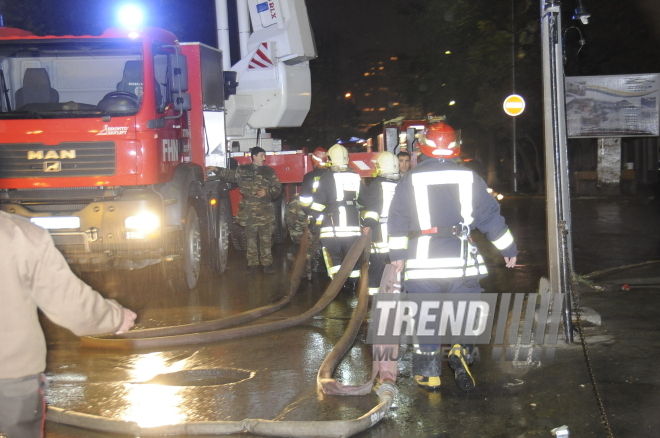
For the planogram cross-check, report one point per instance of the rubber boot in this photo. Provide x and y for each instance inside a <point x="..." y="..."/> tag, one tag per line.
<point x="459" y="361"/>
<point x="426" y="369"/>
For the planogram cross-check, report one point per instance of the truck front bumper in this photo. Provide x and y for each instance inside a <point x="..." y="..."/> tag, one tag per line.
<point x="125" y="232"/>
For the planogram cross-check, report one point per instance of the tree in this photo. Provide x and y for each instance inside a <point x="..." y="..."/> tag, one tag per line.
<point x="469" y="60"/>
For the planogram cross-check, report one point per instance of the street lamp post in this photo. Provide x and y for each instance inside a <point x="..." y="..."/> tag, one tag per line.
<point x="513" y="91"/>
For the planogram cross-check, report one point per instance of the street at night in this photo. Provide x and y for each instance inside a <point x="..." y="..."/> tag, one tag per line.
<point x="273" y="376"/>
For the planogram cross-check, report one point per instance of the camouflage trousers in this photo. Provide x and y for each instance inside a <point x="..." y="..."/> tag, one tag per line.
<point x="296" y="221"/>
<point x="259" y="236"/>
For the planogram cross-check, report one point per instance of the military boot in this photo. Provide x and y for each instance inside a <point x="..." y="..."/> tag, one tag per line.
<point x="308" y="269"/>
<point x="458" y="361"/>
<point x="426" y="369"/>
<point x="292" y="251"/>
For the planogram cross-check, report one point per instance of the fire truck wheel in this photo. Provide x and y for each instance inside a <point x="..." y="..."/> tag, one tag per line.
<point x="221" y="244"/>
<point x="182" y="272"/>
<point x="238" y="237"/>
<point x="280" y="230"/>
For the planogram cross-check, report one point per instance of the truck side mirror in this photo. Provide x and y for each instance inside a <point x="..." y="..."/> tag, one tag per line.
<point x="177" y="72"/>
<point x="181" y="101"/>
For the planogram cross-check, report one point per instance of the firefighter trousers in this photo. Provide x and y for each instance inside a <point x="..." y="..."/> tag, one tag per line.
<point x="334" y="251"/>
<point x="442" y="286"/>
<point x="377" y="263"/>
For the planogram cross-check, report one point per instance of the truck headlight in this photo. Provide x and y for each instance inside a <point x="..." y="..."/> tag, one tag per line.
<point x="142" y="226"/>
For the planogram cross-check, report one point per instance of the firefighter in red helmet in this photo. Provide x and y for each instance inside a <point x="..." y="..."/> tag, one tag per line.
<point x="435" y="207"/>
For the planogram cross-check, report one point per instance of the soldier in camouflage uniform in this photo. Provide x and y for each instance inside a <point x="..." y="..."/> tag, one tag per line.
<point x="296" y="220"/>
<point x="259" y="186"/>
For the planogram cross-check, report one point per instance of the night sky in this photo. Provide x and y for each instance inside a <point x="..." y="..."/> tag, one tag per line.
<point x="622" y="37"/>
<point x="355" y="26"/>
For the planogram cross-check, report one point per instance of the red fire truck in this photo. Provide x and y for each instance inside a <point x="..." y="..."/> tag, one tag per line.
<point x="106" y="139"/>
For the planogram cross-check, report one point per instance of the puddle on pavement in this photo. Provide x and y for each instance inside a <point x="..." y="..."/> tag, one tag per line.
<point x="207" y="377"/>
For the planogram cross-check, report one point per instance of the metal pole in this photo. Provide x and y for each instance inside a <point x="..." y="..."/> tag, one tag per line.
<point x="513" y="91"/>
<point x="556" y="154"/>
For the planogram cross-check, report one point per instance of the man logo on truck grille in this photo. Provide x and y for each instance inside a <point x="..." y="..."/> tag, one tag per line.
<point x="52" y="166"/>
<point x="52" y="154"/>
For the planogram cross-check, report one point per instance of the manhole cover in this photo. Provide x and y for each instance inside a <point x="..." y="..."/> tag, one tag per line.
<point x="213" y="377"/>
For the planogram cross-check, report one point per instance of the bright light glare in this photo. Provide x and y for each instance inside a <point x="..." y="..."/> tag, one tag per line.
<point x="145" y="222"/>
<point x="57" y="223"/>
<point x="500" y="197"/>
<point x="131" y="16"/>
<point x="453" y="102"/>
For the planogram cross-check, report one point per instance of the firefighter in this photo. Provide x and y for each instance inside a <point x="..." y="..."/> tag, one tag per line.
<point x="378" y="199"/>
<point x="435" y="207"/>
<point x="310" y="185"/>
<point x="259" y="186"/>
<point x="336" y="199"/>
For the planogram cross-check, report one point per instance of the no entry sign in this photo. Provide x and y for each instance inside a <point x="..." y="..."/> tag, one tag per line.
<point x="514" y="105"/>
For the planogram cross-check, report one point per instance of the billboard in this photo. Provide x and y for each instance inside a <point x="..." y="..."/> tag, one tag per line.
<point x="612" y="106"/>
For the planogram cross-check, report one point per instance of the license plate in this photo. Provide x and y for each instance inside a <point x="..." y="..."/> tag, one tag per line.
<point x="57" y="223"/>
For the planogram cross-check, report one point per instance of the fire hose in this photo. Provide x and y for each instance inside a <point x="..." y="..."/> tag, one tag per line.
<point x="338" y="428"/>
<point x="173" y="334"/>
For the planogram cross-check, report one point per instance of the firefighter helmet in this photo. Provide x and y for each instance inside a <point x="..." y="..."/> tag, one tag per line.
<point x="319" y="156"/>
<point x="338" y="155"/>
<point x="440" y="141"/>
<point x="387" y="165"/>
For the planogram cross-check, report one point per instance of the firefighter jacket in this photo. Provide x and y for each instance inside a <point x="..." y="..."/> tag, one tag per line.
<point x="336" y="198"/>
<point x="377" y="205"/>
<point x="310" y="185"/>
<point x="433" y="202"/>
<point x="250" y="178"/>
<point x="35" y="275"/>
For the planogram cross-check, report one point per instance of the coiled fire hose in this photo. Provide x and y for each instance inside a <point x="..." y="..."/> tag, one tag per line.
<point x="339" y="428"/>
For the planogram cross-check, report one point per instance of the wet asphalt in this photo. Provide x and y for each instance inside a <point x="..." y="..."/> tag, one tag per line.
<point x="273" y="376"/>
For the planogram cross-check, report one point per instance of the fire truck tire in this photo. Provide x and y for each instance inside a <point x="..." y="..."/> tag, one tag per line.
<point x="221" y="244"/>
<point x="280" y="230"/>
<point x="182" y="272"/>
<point x="238" y="237"/>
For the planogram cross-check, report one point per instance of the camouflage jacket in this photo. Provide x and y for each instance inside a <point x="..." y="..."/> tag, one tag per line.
<point x="250" y="178"/>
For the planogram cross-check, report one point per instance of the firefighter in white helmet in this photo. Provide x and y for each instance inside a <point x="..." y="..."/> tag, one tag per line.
<point x="435" y="207"/>
<point x="378" y="199"/>
<point x="336" y="198"/>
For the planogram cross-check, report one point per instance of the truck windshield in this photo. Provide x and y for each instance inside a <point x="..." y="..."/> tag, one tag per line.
<point x="70" y="78"/>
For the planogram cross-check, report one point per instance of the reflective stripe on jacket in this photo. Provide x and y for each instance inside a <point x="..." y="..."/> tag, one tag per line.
<point x="336" y="197"/>
<point x="441" y="194"/>
<point x="377" y="203"/>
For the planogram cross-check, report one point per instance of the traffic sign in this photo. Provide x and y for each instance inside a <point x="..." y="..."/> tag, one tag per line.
<point x="514" y="105"/>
